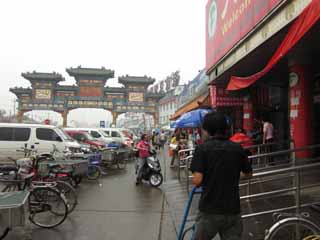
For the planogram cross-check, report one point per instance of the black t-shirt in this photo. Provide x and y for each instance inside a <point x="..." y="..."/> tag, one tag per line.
<point x="220" y="161"/>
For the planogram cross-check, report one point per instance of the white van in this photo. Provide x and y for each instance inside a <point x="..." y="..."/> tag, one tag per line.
<point x="118" y="135"/>
<point x="43" y="138"/>
<point x="95" y="133"/>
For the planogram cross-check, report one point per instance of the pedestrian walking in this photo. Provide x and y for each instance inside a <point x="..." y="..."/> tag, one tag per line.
<point x="163" y="139"/>
<point x="190" y="140"/>
<point x="267" y="130"/>
<point x="268" y="137"/>
<point x="143" y="147"/>
<point x="216" y="166"/>
<point x="155" y="140"/>
<point x="198" y="139"/>
<point x="174" y="146"/>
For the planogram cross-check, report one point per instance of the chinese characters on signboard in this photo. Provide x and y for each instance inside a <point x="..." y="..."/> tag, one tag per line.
<point x="43" y="94"/>
<point x="221" y="98"/>
<point x="228" y="21"/>
<point x="135" y="97"/>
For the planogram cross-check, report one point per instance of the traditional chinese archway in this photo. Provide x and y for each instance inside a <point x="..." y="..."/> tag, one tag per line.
<point x="90" y="91"/>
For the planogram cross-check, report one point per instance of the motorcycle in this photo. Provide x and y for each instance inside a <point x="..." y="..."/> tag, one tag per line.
<point x="151" y="170"/>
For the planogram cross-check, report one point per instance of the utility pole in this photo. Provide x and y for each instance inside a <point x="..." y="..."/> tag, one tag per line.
<point x="144" y="122"/>
<point x="14" y="106"/>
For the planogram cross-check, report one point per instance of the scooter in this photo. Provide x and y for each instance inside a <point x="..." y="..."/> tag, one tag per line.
<point x="151" y="171"/>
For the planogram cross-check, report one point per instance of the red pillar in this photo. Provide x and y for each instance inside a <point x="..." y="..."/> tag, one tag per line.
<point x="248" y="118"/>
<point x="300" y="104"/>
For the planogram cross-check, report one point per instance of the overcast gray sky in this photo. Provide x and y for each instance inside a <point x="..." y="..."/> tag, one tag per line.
<point x="135" y="37"/>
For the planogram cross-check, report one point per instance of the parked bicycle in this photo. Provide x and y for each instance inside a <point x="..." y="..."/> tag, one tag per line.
<point x="26" y="166"/>
<point x="44" y="205"/>
<point x="292" y="227"/>
<point x="54" y="170"/>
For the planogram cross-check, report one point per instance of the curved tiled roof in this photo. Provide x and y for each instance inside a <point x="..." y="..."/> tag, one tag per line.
<point x="136" y="79"/>
<point x="101" y="72"/>
<point x="115" y="90"/>
<point x="66" y="88"/>
<point x="20" y="90"/>
<point x="43" y="76"/>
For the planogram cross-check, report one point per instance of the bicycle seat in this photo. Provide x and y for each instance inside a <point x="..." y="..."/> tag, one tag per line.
<point x="8" y="168"/>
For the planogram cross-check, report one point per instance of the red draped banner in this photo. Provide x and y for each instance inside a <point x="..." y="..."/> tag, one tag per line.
<point x="299" y="28"/>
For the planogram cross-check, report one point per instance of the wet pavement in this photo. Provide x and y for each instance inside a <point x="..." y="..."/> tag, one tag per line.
<point x="113" y="208"/>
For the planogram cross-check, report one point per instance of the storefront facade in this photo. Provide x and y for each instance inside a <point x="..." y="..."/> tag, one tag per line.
<point x="242" y="43"/>
<point x="195" y="95"/>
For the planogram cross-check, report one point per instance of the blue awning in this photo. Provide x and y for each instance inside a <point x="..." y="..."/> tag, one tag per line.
<point x="192" y="119"/>
<point x="173" y="124"/>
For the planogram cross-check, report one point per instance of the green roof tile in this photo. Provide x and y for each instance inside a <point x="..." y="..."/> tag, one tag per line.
<point x="135" y="79"/>
<point x="102" y="72"/>
<point x="43" y="76"/>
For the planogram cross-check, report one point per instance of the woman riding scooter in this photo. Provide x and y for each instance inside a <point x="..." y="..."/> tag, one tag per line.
<point x="143" y="147"/>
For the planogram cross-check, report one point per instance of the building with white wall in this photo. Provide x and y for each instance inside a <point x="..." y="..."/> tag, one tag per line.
<point x="168" y="105"/>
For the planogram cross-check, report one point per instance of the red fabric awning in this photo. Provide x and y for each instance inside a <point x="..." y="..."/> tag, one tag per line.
<point x="299" y="28"/>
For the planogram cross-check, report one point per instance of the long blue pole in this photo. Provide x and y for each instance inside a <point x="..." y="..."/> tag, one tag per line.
<point x="187" y="209"/>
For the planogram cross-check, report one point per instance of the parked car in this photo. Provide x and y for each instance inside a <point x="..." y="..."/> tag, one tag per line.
<point x="130" y="135"/>
<point x="119" y="135"/>
<point x="95" y="133"/>
<point x="133" y="136"/>
<point x="85" y="138"/>
<point x="43" y="138"/>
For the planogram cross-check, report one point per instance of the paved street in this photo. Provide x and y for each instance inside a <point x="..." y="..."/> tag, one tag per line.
<point x="113" y="208"/>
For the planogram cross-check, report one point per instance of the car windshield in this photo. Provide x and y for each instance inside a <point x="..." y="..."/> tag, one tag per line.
<point x="64" y="135"/>
<point x="88" y="136"/>
<point x="104" y="133"/>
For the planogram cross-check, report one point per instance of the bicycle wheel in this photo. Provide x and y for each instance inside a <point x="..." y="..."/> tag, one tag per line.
<point x="4" y="232"/>
<point x="70" y="194"/>
<point x="77" y="179"/>
<point x="294" y="228"/>
<point x="312" y="237"/>
<point x="47" y="207"/>
<point x="93" y="172"/>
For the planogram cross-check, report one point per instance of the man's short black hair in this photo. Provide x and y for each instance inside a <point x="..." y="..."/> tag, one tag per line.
<point x="143" y="136"/>
<point x="215" y="123"/>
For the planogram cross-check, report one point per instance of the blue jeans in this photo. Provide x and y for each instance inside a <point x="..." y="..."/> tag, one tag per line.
<point x="208" y="226"/>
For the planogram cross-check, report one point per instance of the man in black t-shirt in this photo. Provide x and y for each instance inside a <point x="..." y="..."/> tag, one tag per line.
<point x="216" y="167"/>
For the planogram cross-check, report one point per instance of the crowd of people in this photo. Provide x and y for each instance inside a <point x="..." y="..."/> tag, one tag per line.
<point x="190" y="138"/>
